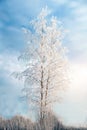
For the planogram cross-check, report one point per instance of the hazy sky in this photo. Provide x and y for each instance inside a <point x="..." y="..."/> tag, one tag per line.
<point x="16" y="14"/>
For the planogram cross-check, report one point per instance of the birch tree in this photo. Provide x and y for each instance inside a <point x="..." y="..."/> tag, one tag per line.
<point x="45" y="73"/>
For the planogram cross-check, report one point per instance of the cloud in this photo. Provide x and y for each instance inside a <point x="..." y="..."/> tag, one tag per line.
<point x="10" y="88"/>
<point x="60" y="2"/>
<point x="76" y="24"/>
<point x="14" y="15"/>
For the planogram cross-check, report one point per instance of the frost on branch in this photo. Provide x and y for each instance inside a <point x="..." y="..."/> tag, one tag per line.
<point x="45" y="73"/>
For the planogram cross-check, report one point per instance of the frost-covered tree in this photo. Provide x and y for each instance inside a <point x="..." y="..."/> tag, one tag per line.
<point x="45" y="63"/>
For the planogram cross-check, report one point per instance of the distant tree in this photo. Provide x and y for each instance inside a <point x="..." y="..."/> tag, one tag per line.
<point x="20" y="123"/>
<point x="16" y="123"/>
<point x="2" y="123"/>
<point x="45" y="72"/>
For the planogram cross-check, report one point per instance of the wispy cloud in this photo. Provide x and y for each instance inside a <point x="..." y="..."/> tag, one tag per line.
<point x="77" y="26"/>
<point x="60" y="2"/>
<point x="10" y="88"/>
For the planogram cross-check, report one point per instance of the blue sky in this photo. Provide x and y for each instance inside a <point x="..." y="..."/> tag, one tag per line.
<point x="16" y="14"/>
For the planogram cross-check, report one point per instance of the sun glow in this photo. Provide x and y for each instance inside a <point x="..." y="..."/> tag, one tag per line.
<point x="79" y="74"/>
<point x="79" y="80"/>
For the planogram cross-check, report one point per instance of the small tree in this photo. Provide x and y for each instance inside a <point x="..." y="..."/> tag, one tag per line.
<point x="45" y="63"/>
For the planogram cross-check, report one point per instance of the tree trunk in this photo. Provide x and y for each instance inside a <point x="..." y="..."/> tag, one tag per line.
<point x="42" y="102"/>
